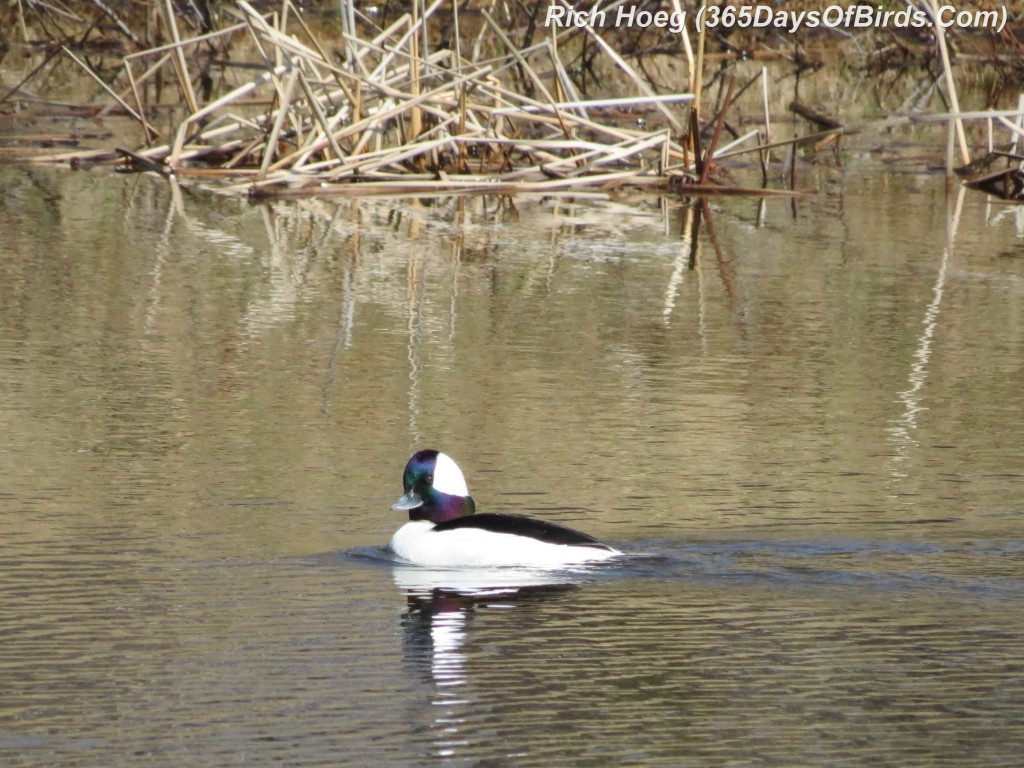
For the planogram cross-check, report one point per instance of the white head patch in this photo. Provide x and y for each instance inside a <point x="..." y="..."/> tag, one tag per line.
<point x="448" y="477"/>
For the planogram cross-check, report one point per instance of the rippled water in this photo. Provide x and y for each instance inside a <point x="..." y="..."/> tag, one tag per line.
<point x="806" y="434"/>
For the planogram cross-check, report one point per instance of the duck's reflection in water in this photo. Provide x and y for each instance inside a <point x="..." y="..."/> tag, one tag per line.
<point x="441" y="605"/>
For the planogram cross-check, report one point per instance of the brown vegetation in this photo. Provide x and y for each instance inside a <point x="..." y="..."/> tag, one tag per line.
<point x="433" y="97"/>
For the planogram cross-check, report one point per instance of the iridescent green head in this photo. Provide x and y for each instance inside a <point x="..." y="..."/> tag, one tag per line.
<point x="435" y="489"/>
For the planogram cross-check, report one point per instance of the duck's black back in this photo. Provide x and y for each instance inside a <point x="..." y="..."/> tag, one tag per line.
<point x="518" y="525"/>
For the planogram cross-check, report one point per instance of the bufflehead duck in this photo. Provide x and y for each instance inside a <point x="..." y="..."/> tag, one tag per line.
<point x="443" y="529"/>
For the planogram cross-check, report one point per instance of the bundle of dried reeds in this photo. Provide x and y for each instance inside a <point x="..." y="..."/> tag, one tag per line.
<point x="387" y="114"/>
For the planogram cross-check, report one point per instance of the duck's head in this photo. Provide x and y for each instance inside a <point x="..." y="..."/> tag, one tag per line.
<point x="435" y="489"/>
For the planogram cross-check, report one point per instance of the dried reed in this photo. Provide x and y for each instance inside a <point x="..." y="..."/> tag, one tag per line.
<point x="391" y="116"/>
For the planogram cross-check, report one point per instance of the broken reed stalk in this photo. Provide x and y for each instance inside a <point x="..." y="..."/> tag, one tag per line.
<point x="112" y="15"/>
<point x="38" y="68"/>
<point x="616" y="133"/>
<point x="687" y="49"/>
<point x="283" y="109"/>
<point x="751" y="134"/>
<point x="950" y="144"/>
<point x="346" y="10"/>
<point x="727" y="151"/>
<point x="710" y="153"/>
<point x="767" y="119"/>
<point x="242" y="90"/>
<point x="762" y="157"/>
<point x="698" y="156"/>
<point x="180" y="65"/>
<point x="947" y="69"/>
<point x="415" y="115"/>
<point x="85" y="67"/>
<point x="637" y="80"/>
<point x="150" y="52"/>
<point x="321" y="118"/>
<point x="698" y="70"/>
<point x="1018" y="123"/>
<point x="151" y="132"/>
<point x="521" y="60"/>
<point x="319" y="48"/>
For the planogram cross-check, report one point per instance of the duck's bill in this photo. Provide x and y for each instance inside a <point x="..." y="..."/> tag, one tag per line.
<point x="409" y="501"/>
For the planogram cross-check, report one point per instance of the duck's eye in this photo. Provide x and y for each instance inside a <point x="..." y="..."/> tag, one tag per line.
<point x="430" y="479"/>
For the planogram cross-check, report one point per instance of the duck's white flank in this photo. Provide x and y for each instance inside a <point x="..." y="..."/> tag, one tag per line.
<point x="417" y="542"/>
<point x="448" y="477"/>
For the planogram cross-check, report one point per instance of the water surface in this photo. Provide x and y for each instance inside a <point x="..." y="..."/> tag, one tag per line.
<point x="806" y="433"/>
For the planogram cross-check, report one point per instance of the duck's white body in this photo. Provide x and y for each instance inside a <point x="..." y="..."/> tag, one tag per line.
<point x="418" y="542"/>
<point x="444" y="530"/>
